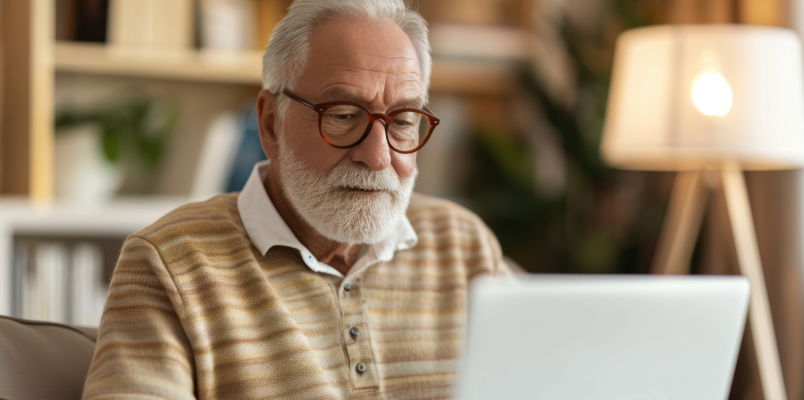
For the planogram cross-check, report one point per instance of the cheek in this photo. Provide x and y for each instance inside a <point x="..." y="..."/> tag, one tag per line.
<point x="305" y="140"/>
<point x="320" y="159"/>
<point x="404" y="164"/>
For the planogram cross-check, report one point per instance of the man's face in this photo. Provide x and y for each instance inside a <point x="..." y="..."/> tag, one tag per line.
<point x="354" y="195"/>
<point x="370" y="62"/>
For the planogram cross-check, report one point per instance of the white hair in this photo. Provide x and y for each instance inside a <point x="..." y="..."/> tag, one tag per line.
<point x="286" y="55"/>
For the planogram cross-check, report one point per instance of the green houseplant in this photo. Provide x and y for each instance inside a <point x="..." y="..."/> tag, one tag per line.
<point x="597" y="220"/>
<point x="125" y="137"/>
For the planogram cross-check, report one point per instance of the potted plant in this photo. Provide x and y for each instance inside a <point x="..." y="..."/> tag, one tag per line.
<point x="100" y="148"/>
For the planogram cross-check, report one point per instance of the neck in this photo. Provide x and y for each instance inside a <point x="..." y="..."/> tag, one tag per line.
<point x="340" y="256"/>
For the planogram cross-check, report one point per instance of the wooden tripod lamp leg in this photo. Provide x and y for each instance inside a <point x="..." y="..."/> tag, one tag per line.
<point x="745" y="241"/>
<point x="682" y="224"/>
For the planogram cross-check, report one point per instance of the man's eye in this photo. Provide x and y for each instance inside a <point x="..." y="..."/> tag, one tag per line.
<point x="341" y="117"/>
<point x="401" y="123"/>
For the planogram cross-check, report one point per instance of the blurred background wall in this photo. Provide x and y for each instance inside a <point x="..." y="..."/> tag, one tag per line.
<point x="150" y="103"/>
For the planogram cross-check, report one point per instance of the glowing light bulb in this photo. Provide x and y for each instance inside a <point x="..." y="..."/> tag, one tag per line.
<point x="712" y="95"/>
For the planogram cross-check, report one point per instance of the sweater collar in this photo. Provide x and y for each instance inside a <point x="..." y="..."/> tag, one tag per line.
<point x="267" y="229"/>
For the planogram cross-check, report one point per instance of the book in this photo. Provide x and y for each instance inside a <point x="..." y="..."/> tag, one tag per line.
<point x="91" y="17"/>
<point x="48" y="282"/>
<point x="65" y="20"/>
<point x="87" y="287"/>
<point x="227" y="24"/>
<point x="151" y="25"/>
<point x="249" y="150"/>
<point x="81" y="20"/>
<point x="20" y="293"/>
<point x="217" y="155"/>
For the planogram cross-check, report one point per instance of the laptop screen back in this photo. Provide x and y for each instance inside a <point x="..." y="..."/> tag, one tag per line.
<point x="603" y="337"/>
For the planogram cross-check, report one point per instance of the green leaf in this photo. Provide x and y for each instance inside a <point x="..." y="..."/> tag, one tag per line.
<point x="110" y="142"/>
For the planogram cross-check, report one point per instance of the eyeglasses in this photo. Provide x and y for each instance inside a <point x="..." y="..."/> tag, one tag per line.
<point x="345" y="124"/>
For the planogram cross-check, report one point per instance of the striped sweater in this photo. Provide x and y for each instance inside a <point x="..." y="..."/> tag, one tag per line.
<point x="195" y="311"/>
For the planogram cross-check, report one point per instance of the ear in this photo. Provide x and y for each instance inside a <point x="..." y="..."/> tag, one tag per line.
<point x="267" y="113"/>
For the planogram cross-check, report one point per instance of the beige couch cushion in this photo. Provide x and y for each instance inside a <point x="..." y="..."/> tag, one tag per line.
<point x="43" y="360"/>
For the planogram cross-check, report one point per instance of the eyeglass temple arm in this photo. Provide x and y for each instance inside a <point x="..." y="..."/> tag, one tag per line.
<point x="425" y="108"/>
<point x="297" y="98"/>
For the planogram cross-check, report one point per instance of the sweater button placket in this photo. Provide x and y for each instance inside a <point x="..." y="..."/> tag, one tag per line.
<point x="356" y="335"/>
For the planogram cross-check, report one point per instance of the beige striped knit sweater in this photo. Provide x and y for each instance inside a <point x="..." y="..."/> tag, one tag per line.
<point x="195" y="311"/>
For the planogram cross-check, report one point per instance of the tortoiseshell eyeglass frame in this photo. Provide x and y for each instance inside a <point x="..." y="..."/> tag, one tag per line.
<point x="385" y="119"/>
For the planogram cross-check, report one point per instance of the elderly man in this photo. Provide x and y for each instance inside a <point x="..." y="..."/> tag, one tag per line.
<point x="324" y="278"/>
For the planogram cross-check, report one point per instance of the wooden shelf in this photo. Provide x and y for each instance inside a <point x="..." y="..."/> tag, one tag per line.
<point x="221" y="67"/>
<point x="479" y="43"/>
<point x="120" y="218"/>
<point x="467" y="59"/>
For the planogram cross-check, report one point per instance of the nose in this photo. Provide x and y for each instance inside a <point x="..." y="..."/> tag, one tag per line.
<point x="374" y="150"/>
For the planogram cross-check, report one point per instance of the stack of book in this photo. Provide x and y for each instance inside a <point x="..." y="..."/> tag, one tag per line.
<point x="231" y="148"/>
<point x="60" y="281"/>
<point x="168" y="25"/>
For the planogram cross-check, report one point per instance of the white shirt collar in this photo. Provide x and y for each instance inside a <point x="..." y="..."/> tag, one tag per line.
<point x="267" y="229"/>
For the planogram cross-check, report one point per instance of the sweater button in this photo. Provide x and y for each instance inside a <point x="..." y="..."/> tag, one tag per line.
<point x="347" y="285"/>
<point x="361" y="368"/>
<point x="353" y="332"/>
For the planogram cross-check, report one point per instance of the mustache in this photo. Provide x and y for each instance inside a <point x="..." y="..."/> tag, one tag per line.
<point x="358" y="176"/>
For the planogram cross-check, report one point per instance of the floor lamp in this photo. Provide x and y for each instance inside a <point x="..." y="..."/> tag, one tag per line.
<point x="710" y="99"/>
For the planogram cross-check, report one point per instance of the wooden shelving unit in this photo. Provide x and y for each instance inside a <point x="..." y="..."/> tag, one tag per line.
<point x="196" y="66"/>
<point x="467" y="60"/>
<point x="20" y="217"/>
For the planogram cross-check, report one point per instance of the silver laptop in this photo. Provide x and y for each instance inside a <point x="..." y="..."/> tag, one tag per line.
<point x="552" y="337"/>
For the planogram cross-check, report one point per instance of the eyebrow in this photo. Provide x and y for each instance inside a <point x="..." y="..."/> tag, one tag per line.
<point x="343" y="95"/>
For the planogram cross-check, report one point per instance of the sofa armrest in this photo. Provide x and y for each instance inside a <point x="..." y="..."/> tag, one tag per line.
<point x="43" y="360"/>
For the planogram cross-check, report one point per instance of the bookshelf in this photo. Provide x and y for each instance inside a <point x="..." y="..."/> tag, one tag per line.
<point x="468" y="59"/>
<point x="64" y="222"/>
<point x="478" y="56"/>
<point x="194" y="66"/>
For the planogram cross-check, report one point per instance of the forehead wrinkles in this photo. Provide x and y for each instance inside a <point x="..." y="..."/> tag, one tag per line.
<point x="370" y="66"/>
<point x="372" y="59"/>
<point x="380" y="88"/>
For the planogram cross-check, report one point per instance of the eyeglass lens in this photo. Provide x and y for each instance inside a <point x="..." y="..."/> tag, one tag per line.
<point x="343" y="125"/>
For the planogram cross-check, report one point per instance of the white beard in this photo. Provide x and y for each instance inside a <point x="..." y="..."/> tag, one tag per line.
<point x="320" y="198"/>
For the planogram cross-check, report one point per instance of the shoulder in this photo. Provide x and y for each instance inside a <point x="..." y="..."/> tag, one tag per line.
<point x="215" y="216"/>
<point x="440" y="217"/>
<point x="443" y="225"/>
<point x="432" y="209"/>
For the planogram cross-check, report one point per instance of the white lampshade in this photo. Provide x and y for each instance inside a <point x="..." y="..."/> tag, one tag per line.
<point x="698" y="96"/>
